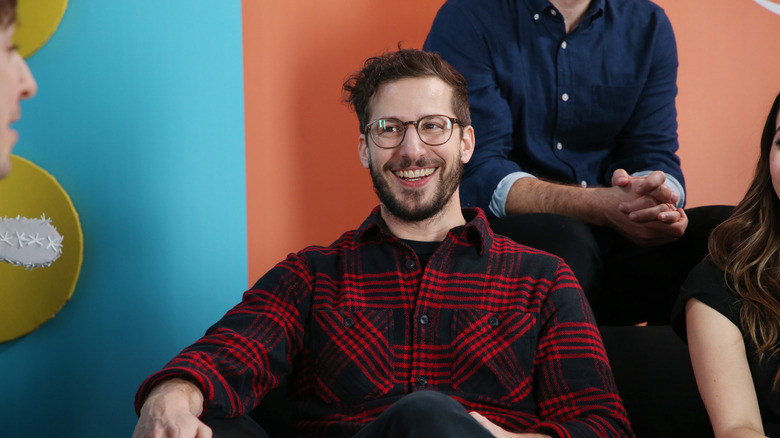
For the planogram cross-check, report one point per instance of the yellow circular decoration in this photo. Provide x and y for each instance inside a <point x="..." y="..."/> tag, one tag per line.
<point x="30" y="297"/>
<point x="36" y="22"/>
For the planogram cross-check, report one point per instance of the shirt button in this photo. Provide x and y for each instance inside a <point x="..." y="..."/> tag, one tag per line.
<point x="559" y="146"/>
<point x="553" y="12"/>
<point x="584" y="183"/>
<point x="563" y="45"/>
<point x="424" y="319"/>
<point x="422" y="381"/>
<point x="410" y="264"/>
<point x="493" y="321"/>
<point x="349" y="322"/>
<point x="536" y="17"/>
<point x="565" y="97"/>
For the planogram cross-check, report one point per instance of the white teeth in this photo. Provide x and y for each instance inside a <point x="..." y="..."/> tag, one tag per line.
<point x="417" y="173"/>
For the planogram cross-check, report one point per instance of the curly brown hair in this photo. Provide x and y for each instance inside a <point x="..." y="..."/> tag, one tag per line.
<point x="747" y="248"/>
<point x="360" y="87"/>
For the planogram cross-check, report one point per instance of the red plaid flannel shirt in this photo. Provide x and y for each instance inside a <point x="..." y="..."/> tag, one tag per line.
<point x="500" y="327"/>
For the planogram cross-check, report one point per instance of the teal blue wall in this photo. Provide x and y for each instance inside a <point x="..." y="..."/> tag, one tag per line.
<point x="139" y="116"/>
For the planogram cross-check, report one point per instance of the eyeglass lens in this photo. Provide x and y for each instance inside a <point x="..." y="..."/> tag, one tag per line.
<point x="433" y="131"/>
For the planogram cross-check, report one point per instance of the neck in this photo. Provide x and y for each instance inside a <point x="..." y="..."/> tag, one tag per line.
<point x="433" y="229"/>
<point x="572" y="10"/>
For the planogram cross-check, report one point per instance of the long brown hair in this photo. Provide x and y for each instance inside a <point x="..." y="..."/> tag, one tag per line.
<point x="747" y="248"/>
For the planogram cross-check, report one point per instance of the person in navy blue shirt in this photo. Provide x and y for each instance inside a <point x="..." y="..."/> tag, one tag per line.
<point x="573" y="106"/>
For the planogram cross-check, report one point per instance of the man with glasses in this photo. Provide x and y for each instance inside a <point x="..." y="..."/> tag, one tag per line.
<point x="421" y="322"/>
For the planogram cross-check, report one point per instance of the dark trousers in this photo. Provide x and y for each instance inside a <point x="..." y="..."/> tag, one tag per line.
<point x="423" y="414"/>
<point x="625" y="283"/>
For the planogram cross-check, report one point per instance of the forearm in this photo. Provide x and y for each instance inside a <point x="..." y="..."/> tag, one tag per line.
<point x="742" y="432"/>
<point x="531" y="195"/>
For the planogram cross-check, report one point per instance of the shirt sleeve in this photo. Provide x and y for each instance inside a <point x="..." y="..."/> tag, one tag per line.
<point x="648" y="142"/>
<point x="707" y="283"/>
<point x="248" y="352"/>
<point x="574" y="388"/>
<point x="459" y="38"/>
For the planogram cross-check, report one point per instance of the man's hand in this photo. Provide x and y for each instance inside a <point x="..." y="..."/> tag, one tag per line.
<point x="171" y="411"/>
<point x="646" y="212"/>
<point x="653" y="199"/>
<point x="498" y="432"/>
<point x="640" y="208"/>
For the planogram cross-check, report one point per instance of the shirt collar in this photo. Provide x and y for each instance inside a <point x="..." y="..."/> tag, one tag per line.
<point x="475" y="232"/>
<point x="595" y="9"/>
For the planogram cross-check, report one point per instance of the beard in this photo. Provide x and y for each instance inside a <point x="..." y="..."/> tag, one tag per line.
<point x="408" y="205"/>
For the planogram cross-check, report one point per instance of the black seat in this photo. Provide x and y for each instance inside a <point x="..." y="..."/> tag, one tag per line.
<point x="655" y="379"/>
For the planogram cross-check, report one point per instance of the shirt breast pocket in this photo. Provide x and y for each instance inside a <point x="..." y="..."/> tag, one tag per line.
<point x="611" y="107"/>
<point x="493" y="353"/>
<point x="352" y="354"/>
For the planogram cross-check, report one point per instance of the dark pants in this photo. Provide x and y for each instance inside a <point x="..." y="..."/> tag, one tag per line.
<point x="624" y="283"/>
<point x="423" y="414"/>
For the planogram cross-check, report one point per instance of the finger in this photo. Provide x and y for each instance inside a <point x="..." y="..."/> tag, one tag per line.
<point x="651" y="182"/>
<point x="484" y="422"/>
<point x="642" y="203"/>
<point x="203" y="431"/>
<point x="620" y="178"/>
<point x="670" y="217"/>
<point x="667" y="211"/>
<point x="664" y="194"/>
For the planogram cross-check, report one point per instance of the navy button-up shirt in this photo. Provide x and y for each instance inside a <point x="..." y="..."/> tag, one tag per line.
<point x="569" y="108"/>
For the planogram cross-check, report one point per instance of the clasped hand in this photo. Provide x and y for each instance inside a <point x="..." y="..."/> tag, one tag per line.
<point x="644" y="209"/>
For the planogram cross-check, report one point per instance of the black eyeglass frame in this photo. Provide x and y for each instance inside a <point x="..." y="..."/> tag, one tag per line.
<point x="416" y="123"/>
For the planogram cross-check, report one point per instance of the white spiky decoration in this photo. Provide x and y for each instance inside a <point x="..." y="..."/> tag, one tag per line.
<point x="31" y="243"/>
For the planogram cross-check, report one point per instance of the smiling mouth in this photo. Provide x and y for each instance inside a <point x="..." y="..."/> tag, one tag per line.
<point x="416" y="174"/>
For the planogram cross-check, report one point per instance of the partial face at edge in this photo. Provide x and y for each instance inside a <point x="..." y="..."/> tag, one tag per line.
<point x="16" y="83"/>
<point x="774" y="158"/>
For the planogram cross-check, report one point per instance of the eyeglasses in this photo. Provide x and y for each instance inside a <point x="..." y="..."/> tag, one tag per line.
<point x="433" y="130"/>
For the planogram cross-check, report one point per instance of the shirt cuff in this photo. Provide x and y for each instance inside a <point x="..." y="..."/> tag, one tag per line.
<point x="671" y="182"/>
<point x="498" y="201"/>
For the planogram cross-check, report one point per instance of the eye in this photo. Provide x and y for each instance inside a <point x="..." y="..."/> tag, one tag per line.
<point x="434" y="124"/>
<point x="388" y="127"/>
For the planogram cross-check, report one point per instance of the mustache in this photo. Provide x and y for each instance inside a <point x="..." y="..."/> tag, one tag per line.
<point x="404" y="163"/>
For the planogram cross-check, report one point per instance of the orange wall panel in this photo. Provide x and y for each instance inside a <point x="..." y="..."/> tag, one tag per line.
<point x="305" y="184"/>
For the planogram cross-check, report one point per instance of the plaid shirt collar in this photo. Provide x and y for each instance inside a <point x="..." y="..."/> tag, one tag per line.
<point x="475" y="232"/>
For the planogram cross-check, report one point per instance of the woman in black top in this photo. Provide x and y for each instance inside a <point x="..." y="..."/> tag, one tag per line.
<point x="731" y="306"/>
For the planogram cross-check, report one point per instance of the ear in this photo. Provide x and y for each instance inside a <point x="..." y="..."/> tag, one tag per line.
<point x="363" y="151"/>
<point x="467" y="144"/>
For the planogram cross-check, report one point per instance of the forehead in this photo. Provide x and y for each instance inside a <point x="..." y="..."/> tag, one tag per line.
<point x="411" y="98"/>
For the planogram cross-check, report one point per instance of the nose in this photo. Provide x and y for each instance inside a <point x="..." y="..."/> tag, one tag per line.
<point x="412" y="146"/>
<point x="27" y="85"/>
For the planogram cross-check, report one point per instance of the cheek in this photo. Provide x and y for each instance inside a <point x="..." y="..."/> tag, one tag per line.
<point x="774" y="168"/>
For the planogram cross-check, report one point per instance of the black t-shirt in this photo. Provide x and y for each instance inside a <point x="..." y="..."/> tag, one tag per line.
<point x="424" y="250"/>
<point x="707" y="284"/>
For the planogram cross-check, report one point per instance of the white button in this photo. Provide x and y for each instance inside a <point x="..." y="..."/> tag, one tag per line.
<point x="584" y="184"/>
<point x="559" y="145"/>
<point x="553" y="13"/>
<point x="563" y="45"/>
<point x="536" y="17"/>
<point x="565" y="97"/>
